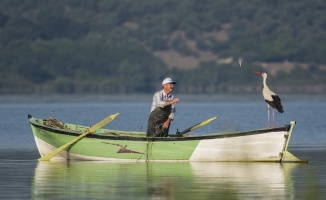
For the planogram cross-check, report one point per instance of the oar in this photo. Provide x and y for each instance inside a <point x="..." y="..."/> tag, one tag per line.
<point x="196" y="126"/>
<point x="92" y="129"/>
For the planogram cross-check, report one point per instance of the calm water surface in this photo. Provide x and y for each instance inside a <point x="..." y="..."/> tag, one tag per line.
<point x="23" y="177"/>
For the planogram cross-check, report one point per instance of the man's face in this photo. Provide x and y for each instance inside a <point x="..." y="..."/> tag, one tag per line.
<point x="168" y="87"/>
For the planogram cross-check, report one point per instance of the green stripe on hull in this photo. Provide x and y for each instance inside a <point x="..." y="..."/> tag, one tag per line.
<point x="176" y="150"/>
<point x="122" y="149"/>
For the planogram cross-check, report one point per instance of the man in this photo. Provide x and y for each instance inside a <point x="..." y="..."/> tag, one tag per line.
<point x="162" y="110"/>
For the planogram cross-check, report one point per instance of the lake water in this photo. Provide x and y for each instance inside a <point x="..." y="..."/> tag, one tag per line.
<point x="23" y="177"/>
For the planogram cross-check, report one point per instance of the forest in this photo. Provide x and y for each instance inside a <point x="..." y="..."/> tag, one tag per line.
<point x="126" y="46"/>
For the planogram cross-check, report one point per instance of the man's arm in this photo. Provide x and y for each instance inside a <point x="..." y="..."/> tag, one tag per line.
<point x="169" y="102"/>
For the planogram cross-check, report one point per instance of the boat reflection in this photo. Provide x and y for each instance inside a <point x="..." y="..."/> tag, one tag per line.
<point x="167" y="180"/>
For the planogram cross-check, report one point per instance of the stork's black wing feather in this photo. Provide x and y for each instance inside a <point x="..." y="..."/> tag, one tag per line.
<point x="277" y="103"/>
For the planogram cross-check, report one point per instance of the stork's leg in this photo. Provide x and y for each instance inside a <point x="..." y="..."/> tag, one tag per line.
<point x="273" y="120"/>
<point x="267" y="116"/>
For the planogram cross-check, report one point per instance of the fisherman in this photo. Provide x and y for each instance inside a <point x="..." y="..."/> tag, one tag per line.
<point x="162" y="110"/>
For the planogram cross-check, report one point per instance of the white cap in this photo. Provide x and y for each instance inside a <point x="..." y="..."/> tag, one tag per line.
<point x="168" y="80"/>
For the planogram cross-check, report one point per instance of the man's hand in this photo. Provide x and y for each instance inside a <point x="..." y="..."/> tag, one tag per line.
<point x="169" y="102"/>
<point x="166" y="124"/>
<point x="175" y="100"/>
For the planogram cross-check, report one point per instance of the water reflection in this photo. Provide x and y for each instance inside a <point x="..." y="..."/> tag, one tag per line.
<point x="196" y="180"/>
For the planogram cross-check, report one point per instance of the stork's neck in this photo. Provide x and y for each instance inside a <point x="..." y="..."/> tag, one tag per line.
<point x="264" y="82"/>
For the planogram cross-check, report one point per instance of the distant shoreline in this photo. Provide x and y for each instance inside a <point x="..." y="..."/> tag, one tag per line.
<point x="147" y="98"/>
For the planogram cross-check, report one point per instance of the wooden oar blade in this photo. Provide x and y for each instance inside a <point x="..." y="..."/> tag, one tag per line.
<point x="92" y="129"/>
<point x="198" y="125"/>
<point x="102" y="123"/>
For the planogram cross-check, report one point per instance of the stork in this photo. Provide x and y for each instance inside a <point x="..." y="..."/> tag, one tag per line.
<point x="272" y="99"/>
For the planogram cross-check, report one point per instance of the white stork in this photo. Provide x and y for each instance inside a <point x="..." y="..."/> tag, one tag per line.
<point x="272" y="99"/>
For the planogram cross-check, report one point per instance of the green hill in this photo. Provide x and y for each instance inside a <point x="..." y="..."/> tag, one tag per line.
<point x="126" y="46"/>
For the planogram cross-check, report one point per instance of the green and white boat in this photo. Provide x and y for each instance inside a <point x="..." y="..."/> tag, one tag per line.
<point x="60" y="140"/>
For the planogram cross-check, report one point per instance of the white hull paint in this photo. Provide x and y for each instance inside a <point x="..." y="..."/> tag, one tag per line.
<point x="260" y="147"/>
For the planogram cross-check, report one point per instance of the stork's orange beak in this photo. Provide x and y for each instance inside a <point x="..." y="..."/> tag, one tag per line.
<point x="259" y="73"/>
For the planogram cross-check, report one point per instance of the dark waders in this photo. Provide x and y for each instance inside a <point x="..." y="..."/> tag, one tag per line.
<point x="155" y="122"/>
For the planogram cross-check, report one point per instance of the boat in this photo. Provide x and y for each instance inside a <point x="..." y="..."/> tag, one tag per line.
<point x="57" y="140"/>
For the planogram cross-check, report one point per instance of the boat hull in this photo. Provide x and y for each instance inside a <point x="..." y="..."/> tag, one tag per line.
<point x="267" y="145"/>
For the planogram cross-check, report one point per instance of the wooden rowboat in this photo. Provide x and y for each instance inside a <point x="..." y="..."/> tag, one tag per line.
<point x="78" y="143"/>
